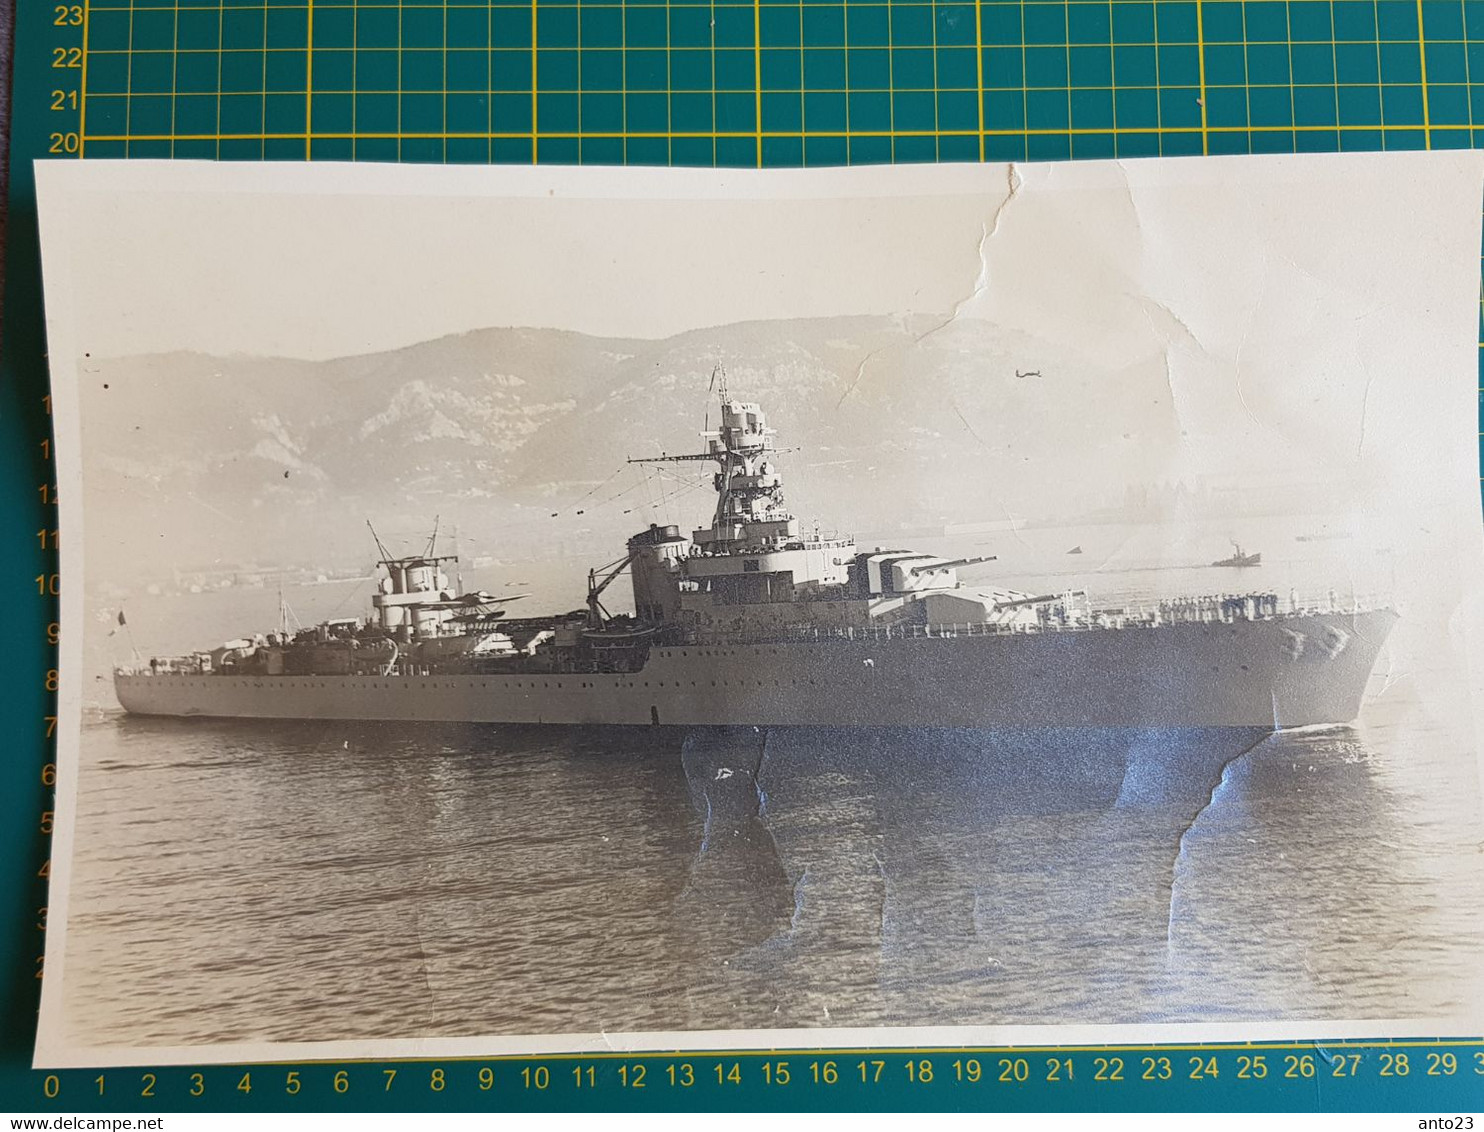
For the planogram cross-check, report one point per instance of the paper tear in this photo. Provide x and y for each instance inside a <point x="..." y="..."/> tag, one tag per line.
<point x="1164" y="339"/>
<point x="798" y="912"/>
<point x="757" y="777"/>
<point x="706" y="826"/>
<point x="1181" y="327"/>
<point x="1221" y="781"/>
<point x="1241" y="344"/>
<point x="987" y="231"/>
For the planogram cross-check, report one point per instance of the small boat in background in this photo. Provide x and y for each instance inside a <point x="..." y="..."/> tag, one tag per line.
<point x="1075" y="550"/>
<point x="1240" y="558"/>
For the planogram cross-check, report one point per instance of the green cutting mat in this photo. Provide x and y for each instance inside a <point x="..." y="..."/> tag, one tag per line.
<point x="767" y="83"/>
<point x="682" y="83"/>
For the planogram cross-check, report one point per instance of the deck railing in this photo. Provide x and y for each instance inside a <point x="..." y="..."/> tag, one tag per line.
<point x="1212" y="608"/>
<point x="1142" y="614"/>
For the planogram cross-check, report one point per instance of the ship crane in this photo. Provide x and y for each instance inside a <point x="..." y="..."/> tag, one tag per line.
<point x="597" y="615"/>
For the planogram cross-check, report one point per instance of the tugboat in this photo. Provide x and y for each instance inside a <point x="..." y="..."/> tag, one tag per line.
<point x="752" y="621"/>
<point x="1239" y="559"/>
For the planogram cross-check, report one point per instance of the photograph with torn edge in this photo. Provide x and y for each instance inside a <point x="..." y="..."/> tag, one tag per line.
<point x="538" y="610"/>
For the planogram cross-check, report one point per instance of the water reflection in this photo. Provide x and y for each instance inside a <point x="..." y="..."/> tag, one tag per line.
<point x="315" y="881"/>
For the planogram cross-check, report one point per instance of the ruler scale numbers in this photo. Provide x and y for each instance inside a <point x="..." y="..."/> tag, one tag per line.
<point x="725" y="83"/>
<point x="1256" y="1075"/>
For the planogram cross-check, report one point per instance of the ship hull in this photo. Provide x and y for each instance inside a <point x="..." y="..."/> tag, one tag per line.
<point x="1285" y="672"/>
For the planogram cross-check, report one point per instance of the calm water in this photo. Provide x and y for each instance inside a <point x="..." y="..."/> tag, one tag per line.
<point x="241" y="882"/>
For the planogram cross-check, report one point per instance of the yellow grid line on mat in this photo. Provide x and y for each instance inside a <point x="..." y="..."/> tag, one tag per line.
<point x="82" y="86"/>
<point x="309" y="78"/>
<point x="335" y="66"/>
<point x="1422" y="67"/>
<point x="768" y="135"/>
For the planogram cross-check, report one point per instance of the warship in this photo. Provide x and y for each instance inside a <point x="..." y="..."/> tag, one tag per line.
<point x="754" y="621"/>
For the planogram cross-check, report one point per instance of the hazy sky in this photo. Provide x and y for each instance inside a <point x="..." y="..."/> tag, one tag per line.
<point x="327" y="260"/>
<point x="1322" y="303"/>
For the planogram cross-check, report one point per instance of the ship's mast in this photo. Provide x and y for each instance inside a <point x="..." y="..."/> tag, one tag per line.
<point x="458" y="569"/>
<point x="750" y="509"/>
<point x="724" y="480"/>
<point x="386" y="555"/>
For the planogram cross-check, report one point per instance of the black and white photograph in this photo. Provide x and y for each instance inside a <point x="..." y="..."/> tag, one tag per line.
<point x="546" y="610"/>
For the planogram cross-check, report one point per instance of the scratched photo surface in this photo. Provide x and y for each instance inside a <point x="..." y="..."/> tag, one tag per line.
<point x="539" y="610"/>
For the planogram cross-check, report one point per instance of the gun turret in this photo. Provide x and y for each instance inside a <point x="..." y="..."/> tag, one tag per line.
<point x="935" y="564"/>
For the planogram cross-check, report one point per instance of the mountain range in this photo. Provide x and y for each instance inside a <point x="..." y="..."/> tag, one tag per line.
<point x="520" y="437"/>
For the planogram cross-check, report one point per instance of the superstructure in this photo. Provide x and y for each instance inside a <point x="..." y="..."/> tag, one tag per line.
<point x="753" y="620"/>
